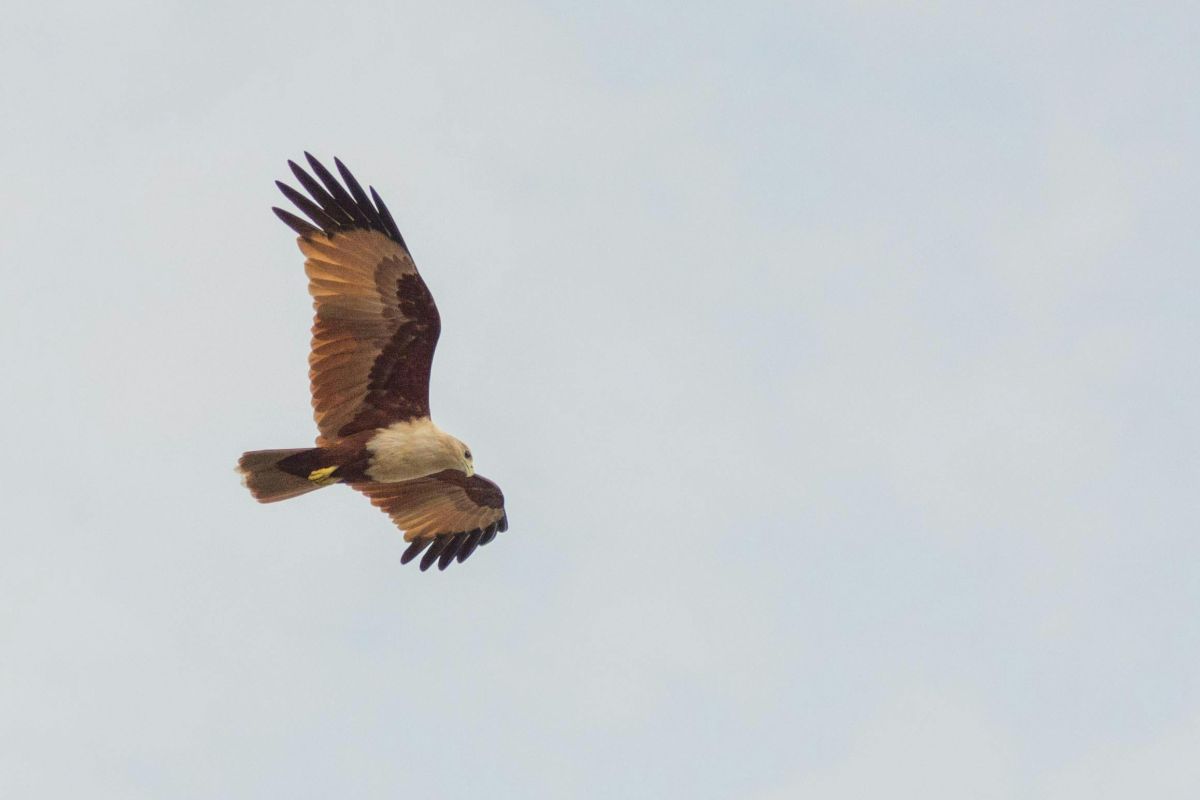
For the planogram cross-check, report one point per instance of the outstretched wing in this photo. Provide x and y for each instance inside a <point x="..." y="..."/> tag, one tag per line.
<point x="376" y="324"/>
<point x="448" y="510"/>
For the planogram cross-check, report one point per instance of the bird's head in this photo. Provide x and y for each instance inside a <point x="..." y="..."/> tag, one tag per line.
<point x="467" y="461"/>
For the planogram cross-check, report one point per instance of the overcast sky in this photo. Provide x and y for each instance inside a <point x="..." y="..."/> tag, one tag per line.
<point x="838" y="363"/>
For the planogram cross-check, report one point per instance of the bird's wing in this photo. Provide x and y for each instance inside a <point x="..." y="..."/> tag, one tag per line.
<point x="376" y="324"/>
<point x="448" y="510"/>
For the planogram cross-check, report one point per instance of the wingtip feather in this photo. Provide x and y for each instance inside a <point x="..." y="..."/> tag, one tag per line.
<point x="304" y="229"/>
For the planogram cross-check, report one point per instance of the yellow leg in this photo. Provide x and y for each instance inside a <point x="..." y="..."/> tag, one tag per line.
<point x="321" y="477"/>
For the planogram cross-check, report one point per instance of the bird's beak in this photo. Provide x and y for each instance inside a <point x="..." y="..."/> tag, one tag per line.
<point x="470" y="469"/>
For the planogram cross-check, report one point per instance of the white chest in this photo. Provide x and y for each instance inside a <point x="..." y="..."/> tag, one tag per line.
<point x="407" y="450"/>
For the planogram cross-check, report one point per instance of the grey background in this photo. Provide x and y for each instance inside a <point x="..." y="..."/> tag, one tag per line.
<point x="838" y="362"/>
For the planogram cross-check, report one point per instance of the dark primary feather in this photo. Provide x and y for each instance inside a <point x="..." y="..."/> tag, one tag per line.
<point x="469" y="545"/>
<point x="360" y="197"/>
<point x="337" y="190"/>
<point x="310" y="209"/>
<point x="386" y="217"/>
<point x="439" y="544"/>
<point x="315" y="190"/>
<point x="451" y="550"/>
<point x="334" y="207"/>
<point x="449" y="547"/>
<point x="414" y="550"/>
<point x="295" y="223"/>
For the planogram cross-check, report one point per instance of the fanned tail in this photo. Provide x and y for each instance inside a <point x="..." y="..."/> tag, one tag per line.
<point x="267" y="482"/>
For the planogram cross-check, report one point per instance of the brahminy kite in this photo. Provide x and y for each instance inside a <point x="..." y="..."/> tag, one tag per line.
<point x="373" y="338"/>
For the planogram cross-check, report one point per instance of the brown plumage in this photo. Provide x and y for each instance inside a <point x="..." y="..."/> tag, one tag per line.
<point x="375" y="330"/>
<point x="425" y="507"/>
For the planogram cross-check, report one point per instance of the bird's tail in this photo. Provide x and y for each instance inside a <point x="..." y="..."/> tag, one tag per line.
<point x="268" y="483"/>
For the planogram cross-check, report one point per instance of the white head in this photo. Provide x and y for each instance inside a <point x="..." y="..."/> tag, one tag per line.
<point x="466" y="461"/>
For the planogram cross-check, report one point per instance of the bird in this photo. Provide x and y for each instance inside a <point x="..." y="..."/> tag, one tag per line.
<point x="373" y="337"/>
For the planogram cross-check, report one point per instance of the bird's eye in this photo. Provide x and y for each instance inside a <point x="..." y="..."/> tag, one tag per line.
<point x="467" y="453"/>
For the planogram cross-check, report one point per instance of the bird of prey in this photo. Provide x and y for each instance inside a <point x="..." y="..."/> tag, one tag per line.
<point x="373" y="337"/>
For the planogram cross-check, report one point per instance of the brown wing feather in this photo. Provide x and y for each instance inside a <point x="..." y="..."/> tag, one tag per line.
<point x="448" y="510"/>
<point x="376" y="325"/>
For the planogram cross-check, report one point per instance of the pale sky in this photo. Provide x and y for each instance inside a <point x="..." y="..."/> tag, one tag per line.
<point x="838" y="362"/>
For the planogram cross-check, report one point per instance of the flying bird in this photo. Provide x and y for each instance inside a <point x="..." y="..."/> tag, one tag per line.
<point x="373" y="337"/>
